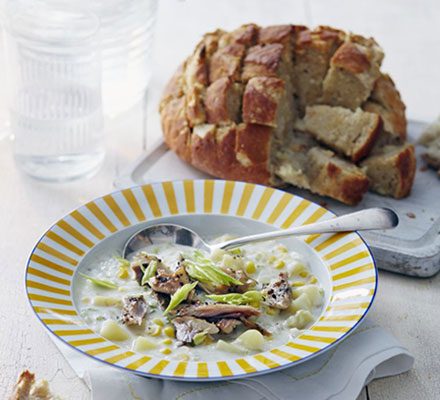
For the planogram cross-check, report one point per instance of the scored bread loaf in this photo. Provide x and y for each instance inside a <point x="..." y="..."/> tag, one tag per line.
<point x="287" y="104"/>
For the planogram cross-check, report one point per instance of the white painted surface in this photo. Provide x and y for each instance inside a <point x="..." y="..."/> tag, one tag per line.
<point x="410" y="34"/>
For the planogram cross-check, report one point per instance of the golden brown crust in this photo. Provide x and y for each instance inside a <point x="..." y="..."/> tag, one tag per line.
<point x="329" y="176"/>
<point x="364" y="150"/>
<point x="174" y="87"/>
<point x="320" y="38"/>
<point x="347" y="188"/>
<point x="175" y="128"/>
<point x="406" y="167"/>
<point x="238" y="152"/>
<point x="196" y="67"/>
<point x="195" y="108"/>
<point x="204" y="150"/>
<point x="350" y="58"/>
<point x="226" y="62"/>
<point x="261" y="100"/>
<point x="385" y="100"/>
<point x="277" y="34"/>
<point x="246" y="35"/>
<point x="262" y="61"/>
<point x="222" y="101"/>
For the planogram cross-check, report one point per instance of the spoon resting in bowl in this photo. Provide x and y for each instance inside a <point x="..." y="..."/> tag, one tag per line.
<point x="369" y="219"/>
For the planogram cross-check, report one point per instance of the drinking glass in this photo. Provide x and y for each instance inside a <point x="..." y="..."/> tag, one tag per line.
<point x="126" y="41"/>
<point x="54" y="73"/>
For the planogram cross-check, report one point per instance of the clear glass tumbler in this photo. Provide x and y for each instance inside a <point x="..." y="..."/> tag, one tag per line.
<point x="54" y="71"/>
<point x="126" y="40"/>
<point x="126" y="33"/>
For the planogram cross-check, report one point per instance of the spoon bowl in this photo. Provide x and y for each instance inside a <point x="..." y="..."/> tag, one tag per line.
<point x="163" y="234"/>
<point x="369" y="219"/>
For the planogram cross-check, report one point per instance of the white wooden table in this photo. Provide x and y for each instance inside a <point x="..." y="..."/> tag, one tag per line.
<point x="410" y="34"/>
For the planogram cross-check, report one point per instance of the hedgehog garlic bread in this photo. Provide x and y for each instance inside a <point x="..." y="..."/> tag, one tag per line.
<point x="289" y="105"/>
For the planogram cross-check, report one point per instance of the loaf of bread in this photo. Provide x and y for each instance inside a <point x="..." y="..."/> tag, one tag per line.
<point x="287" y="104"/>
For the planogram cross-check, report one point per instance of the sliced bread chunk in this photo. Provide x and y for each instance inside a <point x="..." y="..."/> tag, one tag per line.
<point x="308" y="166"/>
<point x="431" y="140"/>
<point x="391" y="170"/>
<point x="354" y="68"/>
<point x="351" y="133"/>
<point x="334" y="177"/>
<point x="262" y="100"/>
<point x="385" y="101"/>
<point x="223" y="101"/>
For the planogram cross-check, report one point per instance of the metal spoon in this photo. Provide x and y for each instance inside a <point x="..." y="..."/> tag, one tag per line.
<point x="371" y="218"/>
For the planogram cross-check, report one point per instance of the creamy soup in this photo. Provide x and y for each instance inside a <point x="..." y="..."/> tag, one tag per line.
<point x="175" y="302"/>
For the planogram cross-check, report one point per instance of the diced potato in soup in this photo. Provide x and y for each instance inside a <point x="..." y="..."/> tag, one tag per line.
<point x="175" y="302"/>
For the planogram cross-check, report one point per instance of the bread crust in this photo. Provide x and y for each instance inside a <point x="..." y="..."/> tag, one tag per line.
<point x="329" y="178"/>
<point x="261" y="98"/>
<point x="238" y="152"/>
<point x="177" y="133"/>
<point x="246" y="34"/>
<point x="364" y="150"/>
<point x="226" y="62"/>
<point x="223" y="101"/>
<point x="385" y="101"/>
<point x="262" y="60"/>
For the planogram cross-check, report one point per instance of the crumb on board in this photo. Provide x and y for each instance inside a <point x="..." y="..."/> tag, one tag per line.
<point x="410" y="215"/>
<point x="323" y="203"/>
<point x="28" y="388"/>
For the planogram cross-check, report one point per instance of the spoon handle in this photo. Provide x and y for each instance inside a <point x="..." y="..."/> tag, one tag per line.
<point x="371" y="218"/>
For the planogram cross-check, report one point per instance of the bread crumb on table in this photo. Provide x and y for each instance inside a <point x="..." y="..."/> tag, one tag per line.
<point x="410" y="215"/>
<point x="27" y="388"/>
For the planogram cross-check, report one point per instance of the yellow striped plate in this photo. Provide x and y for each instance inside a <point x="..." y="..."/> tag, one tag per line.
<point x="346" y="263"/>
